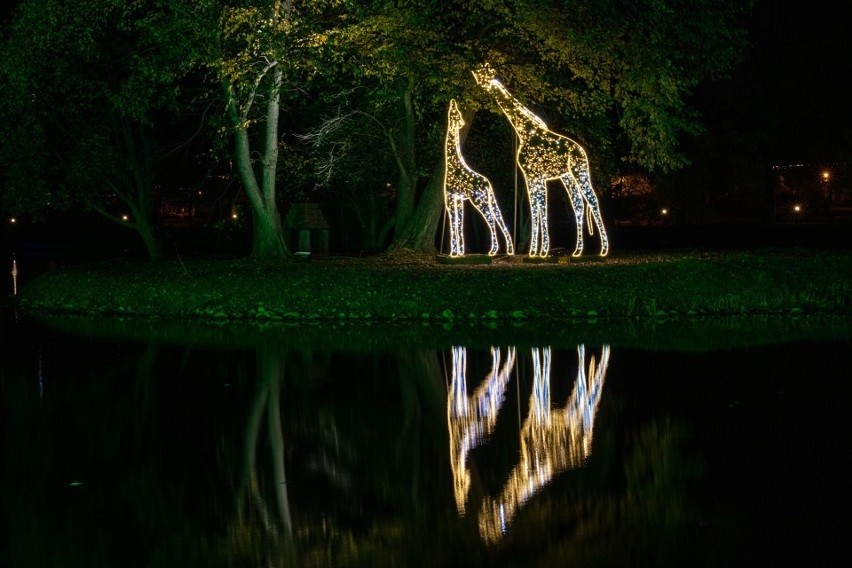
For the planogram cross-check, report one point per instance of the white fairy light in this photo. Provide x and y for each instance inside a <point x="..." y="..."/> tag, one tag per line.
<point x="462" y="183"/>
<point x="544" y="155"/>
<point x="552" y="440"/>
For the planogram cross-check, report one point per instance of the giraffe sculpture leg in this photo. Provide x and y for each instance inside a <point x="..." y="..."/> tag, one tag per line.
<point x="498" y="217"/>
<point x="486" y="204"/>
<point x="538" y="216"/>
<point x="592" y="200"/>
<point x="455" y="210"/>
<point x="573" y="189"/>
<point x="458" y="204"/>
<point x="580" y="190"/>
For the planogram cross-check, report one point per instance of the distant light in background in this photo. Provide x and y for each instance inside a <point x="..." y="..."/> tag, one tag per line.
<point x="797" y="208"/>
<point x="124" y="217"/>
<point x="233" y="216"/>
<point x="825" y="175"/>
<point x="13" y="220"/>
<point x="665" y="211"/>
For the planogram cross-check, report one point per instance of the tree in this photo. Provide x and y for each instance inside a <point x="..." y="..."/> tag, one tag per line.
<point x="78" y="112"/>
<point x="616" y="75"/>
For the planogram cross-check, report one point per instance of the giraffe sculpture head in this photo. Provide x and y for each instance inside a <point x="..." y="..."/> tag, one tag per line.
<point x="454" y="117"/>
<point x="484" y="74"/>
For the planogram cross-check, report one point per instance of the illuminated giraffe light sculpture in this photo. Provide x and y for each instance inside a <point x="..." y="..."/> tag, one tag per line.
<point x="552" y="441"/>
<point x="461" y="183"/>
<point x="544" y="155"/>
<point x="472" y="418"/>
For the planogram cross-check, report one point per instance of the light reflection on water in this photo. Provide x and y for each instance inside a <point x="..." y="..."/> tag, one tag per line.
<point x="552" y="440"/>
<point x="149" y="452"/>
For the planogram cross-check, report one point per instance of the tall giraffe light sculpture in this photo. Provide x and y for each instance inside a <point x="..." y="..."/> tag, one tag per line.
<point x="544" y="155"/>
<point x="462" y="183"/>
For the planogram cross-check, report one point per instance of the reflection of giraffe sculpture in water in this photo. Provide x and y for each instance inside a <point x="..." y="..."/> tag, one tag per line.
<point x="552" y="440"/>
<point x="544" y="155"/>
<point x="472" y="418"/>
<point x="460" y="183"/>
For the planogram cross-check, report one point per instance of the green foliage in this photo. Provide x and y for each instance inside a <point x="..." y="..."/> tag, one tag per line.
<point x="75" y="124"/>
<point x="614" y="74"/>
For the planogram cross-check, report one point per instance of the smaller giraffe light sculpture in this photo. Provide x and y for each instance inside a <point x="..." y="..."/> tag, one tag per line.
<point x="462" y="183"/>
<point x="544" y="155"/>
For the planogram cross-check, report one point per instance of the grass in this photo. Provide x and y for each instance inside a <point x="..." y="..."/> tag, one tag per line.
<point x="415" y="287"/>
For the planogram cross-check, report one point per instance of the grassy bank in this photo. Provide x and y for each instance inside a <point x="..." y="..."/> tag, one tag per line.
<point x="415" y="287"/>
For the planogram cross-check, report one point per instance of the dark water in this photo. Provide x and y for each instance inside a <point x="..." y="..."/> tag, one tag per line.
<point x="128" y="447"/>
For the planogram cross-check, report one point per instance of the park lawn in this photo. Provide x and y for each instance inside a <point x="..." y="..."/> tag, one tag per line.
<point x="416" y="287"/>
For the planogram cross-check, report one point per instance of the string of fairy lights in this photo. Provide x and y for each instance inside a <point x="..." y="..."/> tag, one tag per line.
<point x="542" y="155"/>
<point x="462" y="184"/>
<point x="471" y="418"/>
<point x="552" y="440"/>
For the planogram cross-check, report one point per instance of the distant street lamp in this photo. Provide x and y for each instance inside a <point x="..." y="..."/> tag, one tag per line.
<point x="797" y="208"/>
<point x="124" y="217"/>
<point x="827" y="190"/>
<point x="665" y="211"/>
<point x="13" y="220"/>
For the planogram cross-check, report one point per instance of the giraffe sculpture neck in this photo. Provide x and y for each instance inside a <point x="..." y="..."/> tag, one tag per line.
<point x="521" y="118"/>
<point x="452" y="144"/>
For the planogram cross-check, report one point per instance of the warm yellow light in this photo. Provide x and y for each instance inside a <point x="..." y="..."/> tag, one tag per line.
<point x="462" y="183"/>
<point x="797" y="208"/>
<point x="544" y="155"/>
<point x="124" y="217"/>
<point x="552" y="440"/>
<point x="234" y="216"/>
<point x="471" y="419"/>
<point x="826" y="175"/>
<point x="13" y="220"/>
<point x="665" y="211"/>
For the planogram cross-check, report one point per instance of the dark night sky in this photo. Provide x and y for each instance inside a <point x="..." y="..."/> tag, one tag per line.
<point x="797" y="78"/>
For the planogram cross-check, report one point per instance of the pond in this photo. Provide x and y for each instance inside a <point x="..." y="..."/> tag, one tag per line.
<point x="178" y="444"/>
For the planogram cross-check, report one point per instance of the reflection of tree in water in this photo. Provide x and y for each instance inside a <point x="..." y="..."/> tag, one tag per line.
<point x="332" y="471"/>
<point x="631" y="512"/>
<point x="267" y="500"/>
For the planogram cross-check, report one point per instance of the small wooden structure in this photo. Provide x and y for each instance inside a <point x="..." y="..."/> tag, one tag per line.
<point x="307" y="221"/>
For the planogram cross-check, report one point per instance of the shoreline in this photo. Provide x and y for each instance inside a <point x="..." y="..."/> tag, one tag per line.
<point x="416" y="288"/>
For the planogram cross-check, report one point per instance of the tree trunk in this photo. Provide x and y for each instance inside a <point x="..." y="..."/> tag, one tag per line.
<point x="136" y="186"/>
<point x="148" y="234"/>
<point x="406" y="161"/>
<point x="268" y="238"/>
<point x="420" y="231"/>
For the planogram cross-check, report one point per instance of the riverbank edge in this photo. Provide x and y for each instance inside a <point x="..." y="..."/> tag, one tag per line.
<point x="637" y="286"/>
